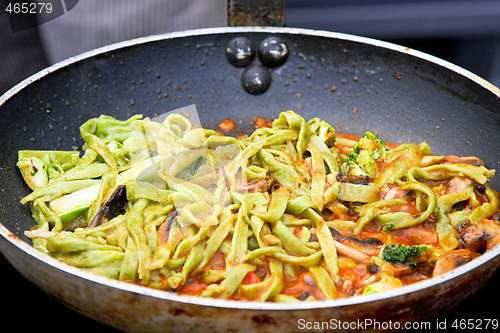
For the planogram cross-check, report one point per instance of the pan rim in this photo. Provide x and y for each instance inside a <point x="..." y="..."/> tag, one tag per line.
<point x="277" y="30"/>
<point x="245" y="305"/>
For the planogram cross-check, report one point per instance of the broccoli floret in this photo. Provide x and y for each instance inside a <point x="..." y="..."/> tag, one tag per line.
<point x="410" y="255"/>
<point x="370" y="142"/>
<point x="361" y="162"/>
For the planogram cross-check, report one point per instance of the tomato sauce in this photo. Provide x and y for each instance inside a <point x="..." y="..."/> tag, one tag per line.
<point x="227" y="125"/>
<point x="302" y="286"/>
<point x="194" y="286"/>
<point x="355" y="276"/>
<point x="261" y="122"/>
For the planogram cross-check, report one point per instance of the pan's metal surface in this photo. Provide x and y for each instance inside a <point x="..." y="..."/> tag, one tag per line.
<point x="357" y="84"/>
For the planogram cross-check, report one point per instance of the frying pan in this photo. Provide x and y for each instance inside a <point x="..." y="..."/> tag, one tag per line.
<point x="354" y="83"/>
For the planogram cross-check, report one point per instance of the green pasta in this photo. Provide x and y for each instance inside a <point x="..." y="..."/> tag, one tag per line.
<point x="280" y="215"/>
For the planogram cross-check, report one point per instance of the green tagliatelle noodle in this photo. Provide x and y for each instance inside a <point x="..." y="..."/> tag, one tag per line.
<point x="215" y="210"/>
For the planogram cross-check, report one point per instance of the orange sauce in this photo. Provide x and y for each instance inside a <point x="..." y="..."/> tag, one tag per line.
<point x="261" y="122"/>
<point x="301" y="287"/>
<point x="227" y="125"/>
<point x="355" y="276"/>
<point x="194" y="286"/>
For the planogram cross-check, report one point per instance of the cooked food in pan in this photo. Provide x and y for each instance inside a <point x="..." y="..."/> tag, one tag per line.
<point x="292" y="212"/>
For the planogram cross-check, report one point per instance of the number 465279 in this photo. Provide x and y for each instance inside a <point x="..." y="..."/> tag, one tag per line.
<point x="475" y="324"/>
<point x="28" y="7"/>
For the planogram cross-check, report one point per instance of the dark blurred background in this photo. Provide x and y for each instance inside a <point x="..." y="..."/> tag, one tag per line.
<point x="464" y="32"/>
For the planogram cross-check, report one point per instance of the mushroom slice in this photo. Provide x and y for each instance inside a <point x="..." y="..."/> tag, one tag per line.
<point x="361" y="180"/>
<point x="114" y="206"/>
<point x="451" y="260"/>
<point x="475" y="237"/>
<point x="164" y="230"/>
<point x="481" y="237"/>
<point x="493" y="230"/>
<point x="348" y="251"/>
<point x="358" y="249"/>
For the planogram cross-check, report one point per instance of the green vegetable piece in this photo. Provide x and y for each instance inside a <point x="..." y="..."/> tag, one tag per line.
<point x="298" y="205"/>
<point x="284" y="174"/>
<point x="410" y="255"/>
<point x="92" y="258"/>
<point x="137" y="190"/>
<point x="240" y="236"/>
<point x="487" y="209"/>
<point x="290" y="242"/>
<point x="34" y="172"/>
<point x="387" y="282"/>
<point x="358" y="193"/>
<point x="326" y="242"/>
<point x="361" y="162"/>
<point x="400" y="220"/>
<point x="324" y="282"/>
<point x="59" y="189"/>
<point x="323" y="130"/>
<point x="81" y="197"/>
<point x="277" y="206"/>
<point x="68" y="207"/>
<point x="67" y="242"/>
<point x="231" y="283"/>
<point x="135" y="226"/>
<point x="291" y="120"/>
<point x="372" y="210"/>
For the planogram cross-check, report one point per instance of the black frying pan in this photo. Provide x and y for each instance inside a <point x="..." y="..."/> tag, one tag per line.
<point x="356" y="84"/>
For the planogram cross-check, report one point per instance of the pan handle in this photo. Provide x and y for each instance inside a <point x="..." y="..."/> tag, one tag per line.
<point x="256" y="12"/>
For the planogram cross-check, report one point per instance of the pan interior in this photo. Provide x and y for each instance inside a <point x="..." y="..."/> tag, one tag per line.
<point x="353" y="85"/>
